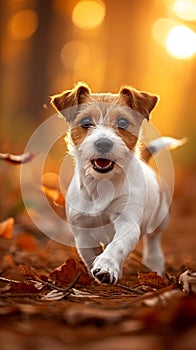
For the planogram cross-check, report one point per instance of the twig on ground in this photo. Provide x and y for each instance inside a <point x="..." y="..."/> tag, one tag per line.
<point x="8" y="280"/>
<point x="62" y="292"/>
<point x="133" y="290"/>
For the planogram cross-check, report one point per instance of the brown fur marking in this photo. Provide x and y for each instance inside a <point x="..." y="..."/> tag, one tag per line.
<point x="129" y="139"/>
<point x="70" y="98"/>
<point x="93" y="103"/>
<point x="143" y="102"/>
<point x="78" y="134"/>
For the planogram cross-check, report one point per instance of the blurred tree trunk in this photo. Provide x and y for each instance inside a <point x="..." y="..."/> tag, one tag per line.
<point x="2" y="33"/>
<point x="3" y="85"/>
<point x="24" y="68"/>
<point x="37" y="89"/>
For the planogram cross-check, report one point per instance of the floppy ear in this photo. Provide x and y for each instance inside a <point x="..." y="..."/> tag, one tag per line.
<point x="142" y="102"/>
<point x="70" y="98"/>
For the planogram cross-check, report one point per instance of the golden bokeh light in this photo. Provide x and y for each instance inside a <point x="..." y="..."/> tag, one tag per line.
<point x="161" y="29"/>
<point x="181" y="42"/>
<point x="185" y="9"/>
<point x="75" y="53"/>
<point x="88" y="14"/>
<point x="23" y="24"/>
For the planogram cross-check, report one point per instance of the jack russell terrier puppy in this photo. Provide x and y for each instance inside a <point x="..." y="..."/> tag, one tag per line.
<point x="114" y="198"/>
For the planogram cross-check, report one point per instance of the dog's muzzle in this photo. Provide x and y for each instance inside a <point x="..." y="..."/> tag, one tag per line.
<point x="103" y="165"/>
<point x="103" y="145"/>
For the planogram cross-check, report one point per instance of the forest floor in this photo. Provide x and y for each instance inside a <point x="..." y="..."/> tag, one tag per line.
<point x="47" y="300"/>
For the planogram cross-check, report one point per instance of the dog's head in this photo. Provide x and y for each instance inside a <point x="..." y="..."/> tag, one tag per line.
<point x="104" y="128"/>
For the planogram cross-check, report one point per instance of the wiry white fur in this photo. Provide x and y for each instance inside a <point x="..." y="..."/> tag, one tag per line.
<point x="115" y="208"/>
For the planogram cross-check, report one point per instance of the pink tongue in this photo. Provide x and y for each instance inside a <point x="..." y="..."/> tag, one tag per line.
<point x="102" y="163"/>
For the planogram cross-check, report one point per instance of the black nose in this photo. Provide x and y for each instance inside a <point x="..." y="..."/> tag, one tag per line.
<point x="103" y="145"/>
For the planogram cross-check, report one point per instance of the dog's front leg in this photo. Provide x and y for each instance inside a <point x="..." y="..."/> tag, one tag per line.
<point x="108" y="265"/>
<point x="88" y="255"/>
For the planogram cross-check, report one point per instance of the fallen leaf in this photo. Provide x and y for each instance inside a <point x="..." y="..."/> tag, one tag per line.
<point x="80" y="315"/>
<point x="54" y="295"/>
<point x="163" y="298"/>
<point x="17" y="159"/>
<point x="8" y="261"/>
<point x="6" y="228"/>
<point x="65" y="273"/>
<point x="178" y="315"/>
<point x="29" y="271"/>
<point x="8" y="310"/>
<point x="56" y="196"/>
<point x="152" y="279"/>
<point x="19" y="286"/>
<point x="80" y="294"/>
<point x="26" y="242"/>
<point x="23" y="287"/>
<point x="51" y="188"/>
<point x="188" y="282"/>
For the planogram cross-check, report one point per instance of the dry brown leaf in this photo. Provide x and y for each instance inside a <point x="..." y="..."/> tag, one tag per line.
<point x="51" y="188"/>
<point x="23" y="287"/>
<point x="65" y="273"/>
<point x="8" y="261"/>
<point x="26" y="242"/>
<point x="56" y="196"/>
<point x="79" y="315"/>
<point x="54" y="295"/>
<point x="178" y="314"/>
<point x="6" y="228"/>
<point x="29" y="271"/>
<point x="188" y="281"/>
<point x="163" y="298"/>
<point x="80" y="294"/>
<point x="17" y="159"/>
<point x="152" y="279"/>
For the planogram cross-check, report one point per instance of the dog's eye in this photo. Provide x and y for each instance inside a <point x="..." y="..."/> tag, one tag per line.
<point x="123" y="123"/>
<point x="86" y="122"/>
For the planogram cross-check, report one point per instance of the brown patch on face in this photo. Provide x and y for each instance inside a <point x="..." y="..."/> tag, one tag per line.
<point x="129" y="139"/>
<point x="78" y="134"/>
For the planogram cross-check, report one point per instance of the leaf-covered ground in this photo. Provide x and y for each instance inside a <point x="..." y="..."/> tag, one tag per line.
<point x="48" y="301"/>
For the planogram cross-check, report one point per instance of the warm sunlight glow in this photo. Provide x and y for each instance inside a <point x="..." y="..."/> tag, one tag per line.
<point x="62" y="7"/>
<point x="161" y="29"/>
<point x="185" y="9"/>
<point x="181" y="42"/>
<point x="23" y="24"/>
<point x="75" y="53"/>
<point x="88" y="14"/>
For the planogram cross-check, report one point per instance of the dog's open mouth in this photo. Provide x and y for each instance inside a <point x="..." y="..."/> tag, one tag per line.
<point x="102" y="165"/>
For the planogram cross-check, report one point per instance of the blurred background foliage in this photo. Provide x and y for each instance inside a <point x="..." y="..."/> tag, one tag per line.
<point x="47" y="46"/>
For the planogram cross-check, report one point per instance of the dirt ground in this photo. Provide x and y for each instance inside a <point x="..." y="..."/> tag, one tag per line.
<point x="47" y="300"/>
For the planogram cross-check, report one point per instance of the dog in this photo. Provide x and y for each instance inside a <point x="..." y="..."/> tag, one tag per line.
<point x="115" y="197"/>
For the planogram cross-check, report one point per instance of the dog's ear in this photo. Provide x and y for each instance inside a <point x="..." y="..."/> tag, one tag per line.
<point x="70" y="98"/>
<point x="142" y="102"/>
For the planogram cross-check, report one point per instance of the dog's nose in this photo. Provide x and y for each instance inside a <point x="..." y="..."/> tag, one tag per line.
<point x="103" y="145"/>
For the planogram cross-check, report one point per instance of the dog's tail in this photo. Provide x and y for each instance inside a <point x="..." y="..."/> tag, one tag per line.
<point x="159" y="144"/>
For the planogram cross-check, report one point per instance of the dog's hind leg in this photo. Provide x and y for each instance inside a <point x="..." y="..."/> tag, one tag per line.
<point x="152" y="252"/>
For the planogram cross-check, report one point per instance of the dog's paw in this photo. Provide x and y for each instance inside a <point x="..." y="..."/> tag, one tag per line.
<point x="106" y="271"/>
